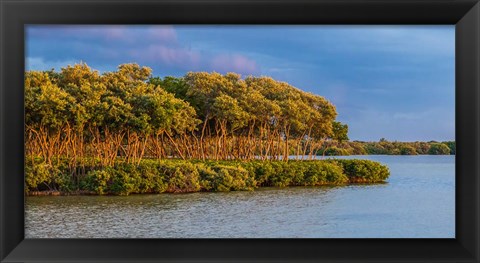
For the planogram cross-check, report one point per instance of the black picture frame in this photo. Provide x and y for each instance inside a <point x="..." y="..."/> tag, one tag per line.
<point x="15" y="14"/>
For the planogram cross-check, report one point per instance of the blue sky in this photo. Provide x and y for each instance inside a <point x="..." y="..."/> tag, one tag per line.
<point x="395" y="82"/>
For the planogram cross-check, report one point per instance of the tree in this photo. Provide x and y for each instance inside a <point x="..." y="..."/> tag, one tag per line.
<point x="438" y="149"/>
<point x="407" y="150"/>
<point x="48" y="115"/>
<point x="174" y="85"/>
<point x="128" y="114"/>
<point x="452" y="146"/>
<point x="340" y="131"/>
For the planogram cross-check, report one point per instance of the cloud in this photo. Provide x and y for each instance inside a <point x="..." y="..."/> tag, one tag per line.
<point x="155" y="46"/>
<point x="38" y="63"/>
<point x="382" y="79"/>
<point x="275" y="70"/>
<point x="162" y="33"/>
<point x="234" y="62"/>
<point x="171" y="56"/>
<point x="77" y="32"/>
<point x="426" y="41"/>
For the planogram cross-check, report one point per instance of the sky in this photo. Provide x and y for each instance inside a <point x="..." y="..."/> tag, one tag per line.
<point x="392" y="82"/>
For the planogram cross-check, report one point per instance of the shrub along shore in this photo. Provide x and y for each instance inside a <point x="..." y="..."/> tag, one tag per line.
<point x="183" y="176"/>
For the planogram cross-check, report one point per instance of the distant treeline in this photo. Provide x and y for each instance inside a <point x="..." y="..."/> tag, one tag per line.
<point x="331" y="148"/>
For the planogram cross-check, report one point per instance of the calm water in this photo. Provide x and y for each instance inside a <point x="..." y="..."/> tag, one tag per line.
<point x="417" y="201"/>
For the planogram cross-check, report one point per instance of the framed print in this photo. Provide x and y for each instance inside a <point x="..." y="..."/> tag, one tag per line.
<point x="236" y="131"/>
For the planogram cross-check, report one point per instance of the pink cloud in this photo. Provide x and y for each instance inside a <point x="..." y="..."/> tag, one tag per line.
<point x="163" y="34"/>
<point x="153" y="45"/>
<point x="234" y="62"/>
<point x="113" y="32"/>
<point x="192" y="60"/>
<point x="82" y="32"/>
<point x="177" y="56"/>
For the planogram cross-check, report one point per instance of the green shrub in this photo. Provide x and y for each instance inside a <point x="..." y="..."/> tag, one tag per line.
<point x="321" y="173"/>
<point x="296" y="170"/>
<point x="408" y="150"/>
<point x="335" y="151"/>
<point x="125" y="180"/>
<point x="65" y="182"/>
<point x="37" y="174"/>
<point x="98" y="181"/>
<point x="452" y="146"/>
<point x="364" y="171"/>
<point x="260" y="170"/>
<point x="151" y="181"/>
<point x="280" y="176"/>
<point x="207" y="177"/>
<point x="178" y="176"/>
<point x="335" y="173"/>
<point x="185" y="178"/>
<point x="357" y="149"/>
<point x="41" y="176"/>
<point x="227" y="178"/>
<point x="375" y="148"/>
<point x="438" y="149"/>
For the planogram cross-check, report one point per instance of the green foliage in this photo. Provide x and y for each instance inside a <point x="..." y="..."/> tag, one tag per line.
<point x="185" y="178"/>
<point x="231" y="178"/>
<point x="98" y="181"/>
<point x="452" y="146"/>
<point x="37" y="174"/>
<point x="384" y="147"/>
<point x="439" y="149"/>
<point x="125" y="180"/>
<point x="335" y="151"/>
<point x="340" y="131"/>
<point x="94" y="132"/>
<point x="375" y="148"/>
<point x="173" y="85"/>
<point x="40" y="176"/>
<point x="260" y="171"/>
<point x="321" y="173"/>
<point x="407" y="150"/>
<point x="151" y="180"/>
<point x="364" y="171"/>
<point x="64" y="182"/>
<point x="281" y="176"/>
<point x="78" y="112"/>
<point x="356" y="148"/>
<point x="178" y="176"/>
<point x="46" y="104"/>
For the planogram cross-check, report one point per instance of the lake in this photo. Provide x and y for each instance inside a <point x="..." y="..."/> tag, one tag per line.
<point x="418" y="201"/>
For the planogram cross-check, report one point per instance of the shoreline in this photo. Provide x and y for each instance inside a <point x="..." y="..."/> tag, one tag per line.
<point x="91" y="193"/>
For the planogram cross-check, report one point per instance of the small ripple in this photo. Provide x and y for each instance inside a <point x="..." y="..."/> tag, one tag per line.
<point x="418" y="201"/>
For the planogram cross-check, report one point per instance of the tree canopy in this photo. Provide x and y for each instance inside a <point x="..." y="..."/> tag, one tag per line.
<point x="78" y="112"/>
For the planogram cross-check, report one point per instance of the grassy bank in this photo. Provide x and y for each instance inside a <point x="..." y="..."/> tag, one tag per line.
<point x="177" y="176"/>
